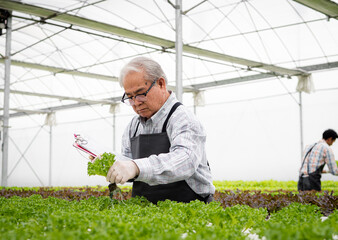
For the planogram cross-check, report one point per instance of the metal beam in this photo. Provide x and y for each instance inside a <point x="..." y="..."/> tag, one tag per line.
<point x="275" y="70"/>
<point x="310" y="68"/>
<point x="326" y="7"/>
<point x="28" y="111"/>
<point x="59" y="97"/>
<point x="232" y="80"/>
<point x="58" y="108"/>
<point x="164" y="43"/>
<point x="57" y="70"/>
<point x="319" y="67"/>
<point x="192" y="88"/>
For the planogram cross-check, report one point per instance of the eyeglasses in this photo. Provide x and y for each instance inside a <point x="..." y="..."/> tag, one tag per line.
<point x="130" y="101"/>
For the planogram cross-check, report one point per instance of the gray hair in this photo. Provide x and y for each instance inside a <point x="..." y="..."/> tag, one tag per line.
<point x="152" y="70"/>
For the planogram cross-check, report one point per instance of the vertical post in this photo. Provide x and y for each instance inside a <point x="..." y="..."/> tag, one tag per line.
<point x="179" y="49"/>
<point x="50" y="121"/>
<point x="114" y="131"/>
<point x="113" y="109"/>
<point x="6" y="101"/>
<point x="301" y="122"/>
<point x="50" y="154"/>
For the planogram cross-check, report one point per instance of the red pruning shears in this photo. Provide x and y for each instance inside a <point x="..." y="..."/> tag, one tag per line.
<point x="80" y="143"/>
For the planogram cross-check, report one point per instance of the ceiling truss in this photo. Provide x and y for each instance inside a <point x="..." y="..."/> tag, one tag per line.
<point x="327" y="7"/>
<point x="310" y="69"/>
<point x="73" y="72"/>
<point x="198" y="87"/>
<point x="163" y="43"/>
<point x="57" y="70"/>
<point x="45" y="14"/>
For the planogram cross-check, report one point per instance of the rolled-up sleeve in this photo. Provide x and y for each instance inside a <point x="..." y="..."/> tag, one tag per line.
<point x="331" y="162"/>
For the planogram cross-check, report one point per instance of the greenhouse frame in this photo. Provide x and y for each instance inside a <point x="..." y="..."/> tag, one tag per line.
<point x="260" y="75"/>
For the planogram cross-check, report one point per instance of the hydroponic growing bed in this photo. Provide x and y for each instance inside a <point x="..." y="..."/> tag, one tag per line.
<point x="88" y="213"/>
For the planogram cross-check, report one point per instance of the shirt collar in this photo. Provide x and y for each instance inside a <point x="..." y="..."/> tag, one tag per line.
<point x="323" y="141"/>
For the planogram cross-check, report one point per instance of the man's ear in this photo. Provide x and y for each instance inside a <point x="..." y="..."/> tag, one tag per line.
<point x="161" y="83"/>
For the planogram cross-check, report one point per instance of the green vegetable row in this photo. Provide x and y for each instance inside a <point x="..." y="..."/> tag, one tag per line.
<point x="102" y="164"/>
<point x="269" y="185"/>
<point x="101" y="218"/>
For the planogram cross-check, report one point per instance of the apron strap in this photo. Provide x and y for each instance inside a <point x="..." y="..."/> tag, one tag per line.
<point x="136" y="128"/>
<point x="305" y="157"/>
<point x="164" y="129"/>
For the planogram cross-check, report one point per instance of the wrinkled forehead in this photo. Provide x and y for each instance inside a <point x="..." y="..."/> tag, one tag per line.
<point x="132" y="71"/>
<point x="135" y="82"/>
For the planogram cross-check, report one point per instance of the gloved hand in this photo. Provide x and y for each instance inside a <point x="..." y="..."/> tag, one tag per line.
<point x="122" y="171"/>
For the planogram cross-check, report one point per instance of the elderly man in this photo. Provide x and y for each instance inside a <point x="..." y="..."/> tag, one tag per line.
<point x="165" y="140"/>
<point x="316" y="156"/>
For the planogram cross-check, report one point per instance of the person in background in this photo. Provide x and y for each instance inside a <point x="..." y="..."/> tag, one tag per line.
<point x="315" y="157"/>
<point x="165" y="140"/>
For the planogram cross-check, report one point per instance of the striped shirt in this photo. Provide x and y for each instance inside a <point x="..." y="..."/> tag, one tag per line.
<point x="186" y="159"/>
<point x="320" y="154"/>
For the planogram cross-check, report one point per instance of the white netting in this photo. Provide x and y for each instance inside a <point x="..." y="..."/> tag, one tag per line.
<point x="50" y="119"/>
<point x="305" y="84"/>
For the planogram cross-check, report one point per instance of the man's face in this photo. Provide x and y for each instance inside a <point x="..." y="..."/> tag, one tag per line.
<point x="134" y="84"/>
<point x="330" y="141"/>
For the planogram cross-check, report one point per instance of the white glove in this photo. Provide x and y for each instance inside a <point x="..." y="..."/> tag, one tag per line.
<point x="122" y="171"/>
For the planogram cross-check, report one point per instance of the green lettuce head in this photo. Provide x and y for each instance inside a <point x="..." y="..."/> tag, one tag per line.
<point x="101" y="165"/>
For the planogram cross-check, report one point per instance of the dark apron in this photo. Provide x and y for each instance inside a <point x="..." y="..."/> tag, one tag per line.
<point x="311" y="182"/>
<point x="143" y="146"/>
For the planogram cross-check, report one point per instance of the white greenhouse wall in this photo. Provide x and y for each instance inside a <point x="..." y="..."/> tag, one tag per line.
<point x="249" y="137"/>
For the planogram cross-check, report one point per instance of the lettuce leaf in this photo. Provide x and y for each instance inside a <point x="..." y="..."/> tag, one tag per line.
<point x="101" y="165"/>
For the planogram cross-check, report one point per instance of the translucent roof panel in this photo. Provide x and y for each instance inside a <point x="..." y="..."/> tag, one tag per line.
<point x="58" y="56"/>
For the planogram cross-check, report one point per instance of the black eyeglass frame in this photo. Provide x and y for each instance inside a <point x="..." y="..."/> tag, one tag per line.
<point x="131" y="98"/>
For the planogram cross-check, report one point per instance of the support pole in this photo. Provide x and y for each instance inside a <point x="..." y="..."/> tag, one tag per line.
<point x="114" y="131"/>
<point x="114" y="108"/>
<point x="50" y="154"/>
<point x="301" y="122"/>
<point x="50" y="121"/>
<point x="179" y="50"/>
<point x="6" y="102"/>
